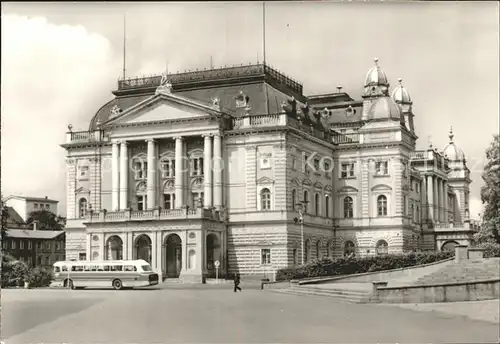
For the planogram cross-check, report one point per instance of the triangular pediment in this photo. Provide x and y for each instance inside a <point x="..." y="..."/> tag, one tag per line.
<point x="162" y="107"/>
<point x="82" y="190"/>
<point x="265" y="180"/>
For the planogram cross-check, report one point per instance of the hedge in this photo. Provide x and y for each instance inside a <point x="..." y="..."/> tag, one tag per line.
<point x="347" y="266"/>
<point x="15" y="273"/>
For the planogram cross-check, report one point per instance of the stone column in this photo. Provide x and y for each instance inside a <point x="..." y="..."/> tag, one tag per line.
<point x="179" y="202"/>
<point x="152" y="168"/>
<point x="430" y="198"/>
<point x="115" y="178"/>
<point x="154" y="252"/>
<point x="130" y="246"/>
<point x="217" y="171"/>
<point x="441" y="200"/>
<point x="207" y="171"/>
<point x="436" y="199"/>
<point x="102" y="247"/>
<point x="159" y="256"/>
<point x="123" y="176"/>
<point x="445" y="191"/>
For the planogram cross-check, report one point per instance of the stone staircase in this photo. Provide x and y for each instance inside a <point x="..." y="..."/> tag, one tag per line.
<point x="464" y="271"/>
<point x="341" y="292"/>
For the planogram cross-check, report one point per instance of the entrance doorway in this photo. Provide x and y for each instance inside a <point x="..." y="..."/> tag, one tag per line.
<point x="173" y="256"/>
<point x="449" y="246"/>
<point x="143" y="248"/>
<point x="213" y="246"/>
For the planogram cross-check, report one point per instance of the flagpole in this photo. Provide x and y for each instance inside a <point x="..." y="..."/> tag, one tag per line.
<point x="124" y="42"/>
<point x="264" y="29"/>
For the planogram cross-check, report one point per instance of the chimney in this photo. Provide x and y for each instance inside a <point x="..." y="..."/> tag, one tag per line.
<point x="35" y="225"/>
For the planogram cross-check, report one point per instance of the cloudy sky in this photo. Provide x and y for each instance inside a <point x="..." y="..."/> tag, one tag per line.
<point x="60" y="62"/>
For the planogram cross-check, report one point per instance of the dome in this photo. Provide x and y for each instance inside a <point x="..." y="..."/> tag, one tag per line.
<point x="376" y="76"/>
<point x="384" y="108"/>
<point x="452" y="151"/>
<point x="400" y="94"/>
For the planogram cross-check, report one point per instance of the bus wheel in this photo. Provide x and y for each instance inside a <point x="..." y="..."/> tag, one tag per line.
<point x="117" y="284"/>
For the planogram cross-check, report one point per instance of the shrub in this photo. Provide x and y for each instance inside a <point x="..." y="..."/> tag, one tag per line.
<point x="14" y="272"/>
<point x="490" y="249"/>
<point x="347" y="266"/>
<point x="39" y="277"/>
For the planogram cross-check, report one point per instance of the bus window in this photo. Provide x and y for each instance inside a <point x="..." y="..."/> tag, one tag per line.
<point x="100" y="268"/>
<point x="77" y="268"/>
<point x="56" y="269"/>
<point x="129" y="268"/>
<point x="146" y="268"/>
<point x="93" y="268"/>
<point x="116" y="268"/>
<point x="106" y="267"/>
<point x="64" y="268"/>
<point x="87" y="267"/>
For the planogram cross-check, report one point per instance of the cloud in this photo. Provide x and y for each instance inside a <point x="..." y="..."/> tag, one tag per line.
<point x="52" y="75"/>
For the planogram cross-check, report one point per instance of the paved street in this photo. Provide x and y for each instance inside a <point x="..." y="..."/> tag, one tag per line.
<point x="214" y="314"/>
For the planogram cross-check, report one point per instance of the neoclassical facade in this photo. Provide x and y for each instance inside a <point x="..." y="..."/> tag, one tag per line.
<point x="229" y="165"/>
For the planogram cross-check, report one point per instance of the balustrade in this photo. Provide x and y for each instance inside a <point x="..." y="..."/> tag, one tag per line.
<point x="166" y="214"/>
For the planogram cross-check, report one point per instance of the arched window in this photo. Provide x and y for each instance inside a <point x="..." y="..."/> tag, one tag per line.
<point x="348" y="208"/>
<point x="418" y="215"/>
<point x="318" y="249"/>
<point x="265" y="199"/>
<point x="294" y="198"/>
<point x="306" y="200"/>
<point x="382" y="205"/>
<point x="327" y="206"/>
<point x="382" y="247"/>
<point x="412" y="213"/>
<point x="349" y="249"/>
<point x="316" y="204"/>
<point x="82" y="207"/>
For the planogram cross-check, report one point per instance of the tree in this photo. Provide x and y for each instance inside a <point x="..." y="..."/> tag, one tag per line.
<point x="490" y="196"/>
<point x="47" y="220"/>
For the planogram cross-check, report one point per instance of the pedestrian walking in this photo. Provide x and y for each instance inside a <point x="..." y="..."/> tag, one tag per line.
<point x="237" y="281"/>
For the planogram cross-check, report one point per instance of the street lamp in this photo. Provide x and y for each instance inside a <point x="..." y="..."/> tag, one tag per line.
<point x="301" y="210"/>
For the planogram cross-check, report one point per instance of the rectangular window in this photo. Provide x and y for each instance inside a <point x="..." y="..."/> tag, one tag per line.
<point x="306" y="168"/>
<point x="347" y="170"/>
<point x="21" y="245"/>
<point x="197" y="167"/>
<point x="83" y="172"/>
<point x="197" y="199"/>
<point x="35" y="205"/>
<point x="167" y="168"/>
<point x="265" y="254"/>
<point x="382" y="168"/>
<point x="13" y="244"/>
<point x="47" y="206"/>
<point x="141" y="203"/>
<point x="316" y="165"/>
<point x="30" y="245"/>
<point x="294" y="163"/>
<point x="168" y="201"/>
<point x="82" y="256"/>
<point x="405" y="170"/>
<point x="295" y="256"/>
<point x="30" y="260"/>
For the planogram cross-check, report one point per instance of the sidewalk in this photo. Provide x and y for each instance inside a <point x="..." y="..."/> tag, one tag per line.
<point x="487" y="310"/>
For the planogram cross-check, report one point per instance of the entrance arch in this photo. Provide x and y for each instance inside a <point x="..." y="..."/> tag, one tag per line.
<point x="143" y="248"/>
<point x="173" y="256"/>
<point x="114" y="248"/>
<point x="449" y="245"/>
<point x="213" y="252"/>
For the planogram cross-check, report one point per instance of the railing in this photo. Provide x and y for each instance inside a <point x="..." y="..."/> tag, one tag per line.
<point x="213" y="74"/>
<point x="418" y="155"/>
<point x="345" y="138"/>
<point x="86" y="136"/>
<point x="157" y="214"/>
<point x="265" y="120"/>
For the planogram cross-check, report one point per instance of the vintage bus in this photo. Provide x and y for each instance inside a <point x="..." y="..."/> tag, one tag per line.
<point x="117" y="274"/>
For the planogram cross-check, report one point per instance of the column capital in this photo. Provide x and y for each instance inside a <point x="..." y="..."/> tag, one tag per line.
<point x="123" y="142"/>
<point x="150" y="140"/>
<point x="180" y="138"/>
<point x="217" y="134"/>
<point x="115" y="142"/>
<point x="205" y="136"/>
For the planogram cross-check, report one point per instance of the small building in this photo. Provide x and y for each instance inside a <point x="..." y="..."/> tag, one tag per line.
<point x="30" y="245"/>
<point x="25" y="205"/>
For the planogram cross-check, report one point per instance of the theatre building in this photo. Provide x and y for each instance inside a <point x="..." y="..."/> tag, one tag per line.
<point x="187" y="169"/>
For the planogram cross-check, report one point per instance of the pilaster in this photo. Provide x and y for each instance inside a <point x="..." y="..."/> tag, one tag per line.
<point x="207" y="170"/>
<point x="179" y="193"/>
<point x="115" y="177"/>
<point x="218" y="166"/>
<point x="151" y="182"/>
<point x="430" y="198"/>
<point x="279" y="166"/>
<point x="70" y="188"/>
<point x="250" y="177"/>
<point x="365" y="194"/>
<point x="123" y="176"/>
